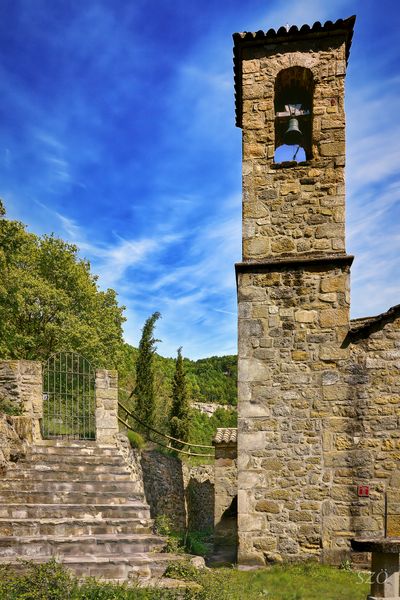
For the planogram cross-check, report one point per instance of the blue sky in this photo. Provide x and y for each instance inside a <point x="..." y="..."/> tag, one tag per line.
<point x="117" y="133"/>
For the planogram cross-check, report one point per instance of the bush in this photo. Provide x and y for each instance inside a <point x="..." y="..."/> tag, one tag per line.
<point x="198" y="542"/>
<point x="136" y="440"/>
<point x="50" y="581"/>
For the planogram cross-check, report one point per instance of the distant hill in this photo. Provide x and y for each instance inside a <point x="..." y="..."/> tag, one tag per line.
<point x="209" y="379"/>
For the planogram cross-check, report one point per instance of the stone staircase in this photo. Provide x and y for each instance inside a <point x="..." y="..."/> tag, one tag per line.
<point x="77" y="502"/>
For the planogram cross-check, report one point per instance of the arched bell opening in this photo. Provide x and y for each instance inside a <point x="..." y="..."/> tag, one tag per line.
<point x="294" y="88"/>
<point x="288" y="152"/>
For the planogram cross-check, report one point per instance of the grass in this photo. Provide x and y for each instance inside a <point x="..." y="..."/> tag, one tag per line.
<point x="309" y="581"/>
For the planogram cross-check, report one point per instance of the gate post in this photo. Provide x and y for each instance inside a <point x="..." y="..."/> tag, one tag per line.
<point x="106" y="406"/>
<point x="21" y="384"/>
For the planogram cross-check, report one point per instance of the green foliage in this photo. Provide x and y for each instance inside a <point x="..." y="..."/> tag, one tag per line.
<point x="310" y="581"/>
<point x="203" y="428"/>
<point x="163" y="525"/>
<point x="49" y="301"/>
<point x="135" y="439"/>
<point x="198" y="542"/>
<point x="144" y="388"/>
<point x="49" y="580"/>
<point x="216" y="379"/>
<point x="8" y="407"/>
<point x="180" y="410"/>
<point x="181" y="569"/>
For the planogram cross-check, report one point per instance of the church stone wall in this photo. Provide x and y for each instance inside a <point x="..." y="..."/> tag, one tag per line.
<point x="361" y="441"/>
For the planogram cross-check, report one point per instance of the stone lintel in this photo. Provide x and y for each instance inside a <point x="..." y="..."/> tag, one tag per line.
<point x="382" y="545"/>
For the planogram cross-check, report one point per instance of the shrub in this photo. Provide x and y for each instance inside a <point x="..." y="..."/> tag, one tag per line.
<point x="136" y="440"/>
<point x="48" y="580"/>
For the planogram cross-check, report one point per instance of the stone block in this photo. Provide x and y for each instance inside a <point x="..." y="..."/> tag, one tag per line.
<point x="305" y="316"/>
<point x="267" y="506"/>
<point x="334" y="317"/>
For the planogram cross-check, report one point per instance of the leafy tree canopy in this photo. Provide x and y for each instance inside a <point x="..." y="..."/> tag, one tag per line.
<point x="49" y="300"/>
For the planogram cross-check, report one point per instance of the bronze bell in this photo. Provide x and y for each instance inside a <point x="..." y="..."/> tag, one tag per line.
<point x="293" y="136"/>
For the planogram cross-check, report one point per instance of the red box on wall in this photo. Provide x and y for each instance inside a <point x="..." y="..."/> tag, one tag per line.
<point x="363" y="491"/>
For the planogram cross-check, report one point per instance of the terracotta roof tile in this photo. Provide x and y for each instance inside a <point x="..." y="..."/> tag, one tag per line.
<point x="226" y="435"/>
<point x="363" y="327"/>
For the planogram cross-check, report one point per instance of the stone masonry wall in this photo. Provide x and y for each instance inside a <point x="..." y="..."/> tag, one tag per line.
<point x="362" y="439"/>
<point x="225" y="509"/>
<point x="291" y="326"/>
<point x="106" y="406"/>
<point x="293" y="295"/>
<point x="199" y="493"/>
<point x="184" y="494"/>
<point x="15" y="434"/>
<point x="21" y="385"/>
<point x="301" y="209"/>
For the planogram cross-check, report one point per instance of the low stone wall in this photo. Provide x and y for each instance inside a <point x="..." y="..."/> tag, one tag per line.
<point x="21" y="386"/>
<point x="15" y="433"/>
<point x="132" y="459"/>
<point x="184" y="494"/>
<point x="199" y="493"/>
<point x="164" y="487"/>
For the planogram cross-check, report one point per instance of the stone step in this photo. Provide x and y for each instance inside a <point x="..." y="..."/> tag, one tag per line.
<point x="112" y="568"/>
<point x="48" y="473"/>
<point x="61" y="497"/>
<point x="73" y="451"/>
<point x="137" y="509"/>
<point x="67" y="468"/>
<point x="79" y="546"/>
<point x="73" y="527"/>
<point x="76" y="459"/>
<point x="55" y="486"/>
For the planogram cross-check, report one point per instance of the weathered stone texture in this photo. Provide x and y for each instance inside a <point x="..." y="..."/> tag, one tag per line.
<point x="21" y="385"/>
<point x="299" y="209"/>
<point x="226" y="490"/>
<point x="106" y="406"/>
<point x="184" y="494"/>
<point x="318" y="410"/>
<point x="15" y="433"/>
<point x="282" y="482"/>
<point x="199" y="494"/>
<point x="362" y="441"/>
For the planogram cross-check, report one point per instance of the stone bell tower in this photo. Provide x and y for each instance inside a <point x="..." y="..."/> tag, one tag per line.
<point x="293" y="282"/>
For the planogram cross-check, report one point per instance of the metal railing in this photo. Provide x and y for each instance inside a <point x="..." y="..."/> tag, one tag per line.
<point x="169" y="446"/>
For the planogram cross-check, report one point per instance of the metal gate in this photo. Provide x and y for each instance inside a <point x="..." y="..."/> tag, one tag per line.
<point x="69" y="397"/>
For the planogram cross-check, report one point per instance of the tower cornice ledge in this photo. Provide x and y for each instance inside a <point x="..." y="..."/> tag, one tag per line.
<point x="300" y="261"/>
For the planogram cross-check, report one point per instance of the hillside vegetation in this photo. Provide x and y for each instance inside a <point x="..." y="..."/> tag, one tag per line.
<point x="50" y="302"/>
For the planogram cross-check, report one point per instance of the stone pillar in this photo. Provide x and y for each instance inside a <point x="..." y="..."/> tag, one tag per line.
<point x="106" y="406"/>
<point x="385" y="576"/>
<point x="225" y="505"/>
<point x="21" y="386"/>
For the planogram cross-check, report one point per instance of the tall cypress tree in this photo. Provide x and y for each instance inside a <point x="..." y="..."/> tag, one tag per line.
<point x="144" y="388"/>
<point x="179" y="415"/>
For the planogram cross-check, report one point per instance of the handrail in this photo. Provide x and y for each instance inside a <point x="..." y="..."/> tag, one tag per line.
<point x="165" y="446"/>
<point x="169" y="437"/>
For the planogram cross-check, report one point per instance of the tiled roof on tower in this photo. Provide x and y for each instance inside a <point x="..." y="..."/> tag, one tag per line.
<point x="284" y="35"/>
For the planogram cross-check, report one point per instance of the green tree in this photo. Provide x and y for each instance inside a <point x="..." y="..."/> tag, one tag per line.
<point x="49" y="300"/>
<point x="144" y="387"/>
<point x="179" y="415"/>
